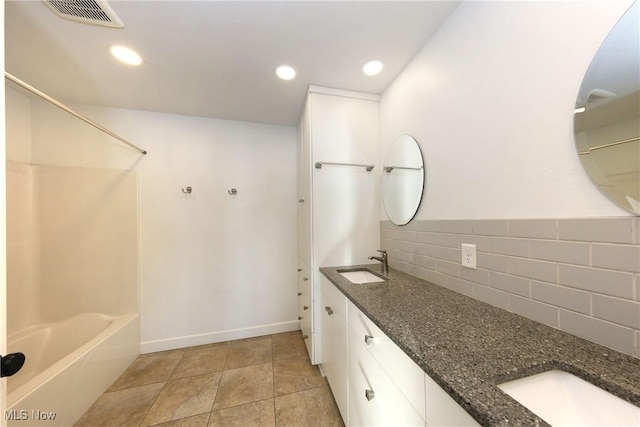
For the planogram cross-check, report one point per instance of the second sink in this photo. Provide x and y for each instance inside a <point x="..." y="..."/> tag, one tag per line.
<point x="562" y="399"/>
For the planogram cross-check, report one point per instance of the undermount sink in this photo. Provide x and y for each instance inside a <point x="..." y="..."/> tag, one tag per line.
<point x="361" y="276"/>
<point x="562" y="399"/>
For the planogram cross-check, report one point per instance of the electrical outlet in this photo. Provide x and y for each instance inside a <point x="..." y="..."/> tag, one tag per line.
<point x="469" y="256"/>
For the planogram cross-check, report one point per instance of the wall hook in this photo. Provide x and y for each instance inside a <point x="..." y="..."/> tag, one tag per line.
<point x="187" y="190"/>
<point x="232" y="192"/>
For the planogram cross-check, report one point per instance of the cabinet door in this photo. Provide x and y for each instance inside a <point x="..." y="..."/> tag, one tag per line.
<point x="373" y="398"/>
<point x="334" y="343"/>
<point x="304" y="188"/>
<point x="346" y="200"/>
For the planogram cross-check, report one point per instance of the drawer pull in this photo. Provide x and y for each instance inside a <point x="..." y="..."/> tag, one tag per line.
<point x="299" y="318"/>
<point x="299" y="270"/>
<point x="304" y="279"/>
<point x="304" y="307"/>
<point x="369" y="394"/>
<point x="368" y="339"/>
<point x="299" y="293"/>
<point x="304" y="337"/>
<point x="300" y="200"/>
<point x="329" y="311"/>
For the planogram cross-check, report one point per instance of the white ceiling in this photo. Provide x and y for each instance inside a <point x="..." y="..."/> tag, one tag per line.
<point x="215" y="58"/>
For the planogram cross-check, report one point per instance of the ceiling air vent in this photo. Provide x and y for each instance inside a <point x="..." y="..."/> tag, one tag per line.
<point x="95" y="12"/>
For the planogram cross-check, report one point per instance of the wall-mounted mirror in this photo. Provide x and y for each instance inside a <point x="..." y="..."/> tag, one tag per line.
<point x="607" y="114"/>
<point x="402" y="180"/>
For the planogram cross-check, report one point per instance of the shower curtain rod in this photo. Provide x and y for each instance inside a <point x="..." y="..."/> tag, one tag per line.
<point x="69" y="110"/>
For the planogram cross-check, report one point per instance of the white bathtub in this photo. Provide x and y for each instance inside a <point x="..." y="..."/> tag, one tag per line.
<point x="68" y="365"/>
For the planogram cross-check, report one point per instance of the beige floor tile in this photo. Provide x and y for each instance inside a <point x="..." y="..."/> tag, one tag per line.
<point x="184" y="398"/>
<point x="314" y="407"/>
<point x="245" y="385"/>
<point x="249" y="352"/>
<point x="296" y="374"/>
<point x="148" y="369"/>
<point x="202" y="360"/>
<point x="195" y="421"/>
<point x="288" y="344"/>
<point x="121" y="408"/>
<point x="254" y="414"/>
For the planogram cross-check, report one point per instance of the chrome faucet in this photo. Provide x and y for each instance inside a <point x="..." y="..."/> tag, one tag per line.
<point x="383" y="259"/>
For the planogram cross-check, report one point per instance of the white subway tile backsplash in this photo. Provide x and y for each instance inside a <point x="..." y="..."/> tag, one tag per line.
<point x="569" y="298"/>
<point x="481" y="242"/>
<point x="607" y="230"/>
<point x="606" y="333"/>
<point x="447" y="267"/>
<point x="538" y="311"/>
<point x="579" y="275"/>
<point x="533" y="228"/>
<point x="490" y="227"/>
<point x="616" y="257"/>
<point x="458" y="226"/>
<point x="509" y="246"/>
<point x="493" y="262"/>
<point x="452" y="254"/>
<point x="511" y="284"/>
<point x="461" y="286"/>
<point x="608" y="282"/>
<point x="533" y="269"/>
<point x="437" y="278"/>
<point x="491" y="296"/>
<point x="427" y="262"/>
<point x="440" y="239"/>
<point x="408" y="236"/>
<point x="616" y="310"/>
<point x="554" y="250"/>
<point x="477" y="276"/>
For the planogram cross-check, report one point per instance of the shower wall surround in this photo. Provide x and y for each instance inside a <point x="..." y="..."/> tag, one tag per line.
<point x="213" y="266"/>
<point x="72" y="233"/>
<point x="579" y="275"/>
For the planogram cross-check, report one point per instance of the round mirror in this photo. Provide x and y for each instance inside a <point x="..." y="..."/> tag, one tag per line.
<point x="402" y="180"/>
<point x="607" y="114"/>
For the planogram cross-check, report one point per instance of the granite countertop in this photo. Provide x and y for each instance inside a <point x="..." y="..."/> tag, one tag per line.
<point x="468" y="346"/>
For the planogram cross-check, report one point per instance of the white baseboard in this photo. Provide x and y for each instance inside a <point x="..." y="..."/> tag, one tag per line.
<point x="219" y="336"/>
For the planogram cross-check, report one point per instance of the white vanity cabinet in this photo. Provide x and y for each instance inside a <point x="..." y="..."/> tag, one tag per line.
<point x="442" y="410"/>
<point x="338" y="204"/>
<point x="385" y="386"/>
<point x="334" y="342"/>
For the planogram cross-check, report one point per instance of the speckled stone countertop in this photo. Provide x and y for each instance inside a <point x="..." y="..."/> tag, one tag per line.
<point x="468" y="346"/>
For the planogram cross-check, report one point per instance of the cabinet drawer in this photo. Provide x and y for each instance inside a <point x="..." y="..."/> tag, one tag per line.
<point x="405" y="373"/>
<point x="385" y="405"/>
<point x="335" y="299"/>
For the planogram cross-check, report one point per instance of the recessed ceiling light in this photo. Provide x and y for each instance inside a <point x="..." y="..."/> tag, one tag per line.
<point x="579" y="110"/>
<point x="285" y="72"/>
<point x="125" y="54"/>
<point x="372" y="68"/>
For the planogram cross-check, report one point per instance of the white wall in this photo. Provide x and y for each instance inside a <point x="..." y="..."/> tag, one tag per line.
<point x="490" y="100"/>
<point x="212" y="266"/>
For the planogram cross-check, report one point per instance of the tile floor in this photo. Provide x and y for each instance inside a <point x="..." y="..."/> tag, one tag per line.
<point x="263" y="381"/>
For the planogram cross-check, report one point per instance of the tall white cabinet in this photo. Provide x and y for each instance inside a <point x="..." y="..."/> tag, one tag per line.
<point x="338" y="205"/>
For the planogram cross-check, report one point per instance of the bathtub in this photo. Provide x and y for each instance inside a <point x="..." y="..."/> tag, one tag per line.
<point x="69" y="364"/>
